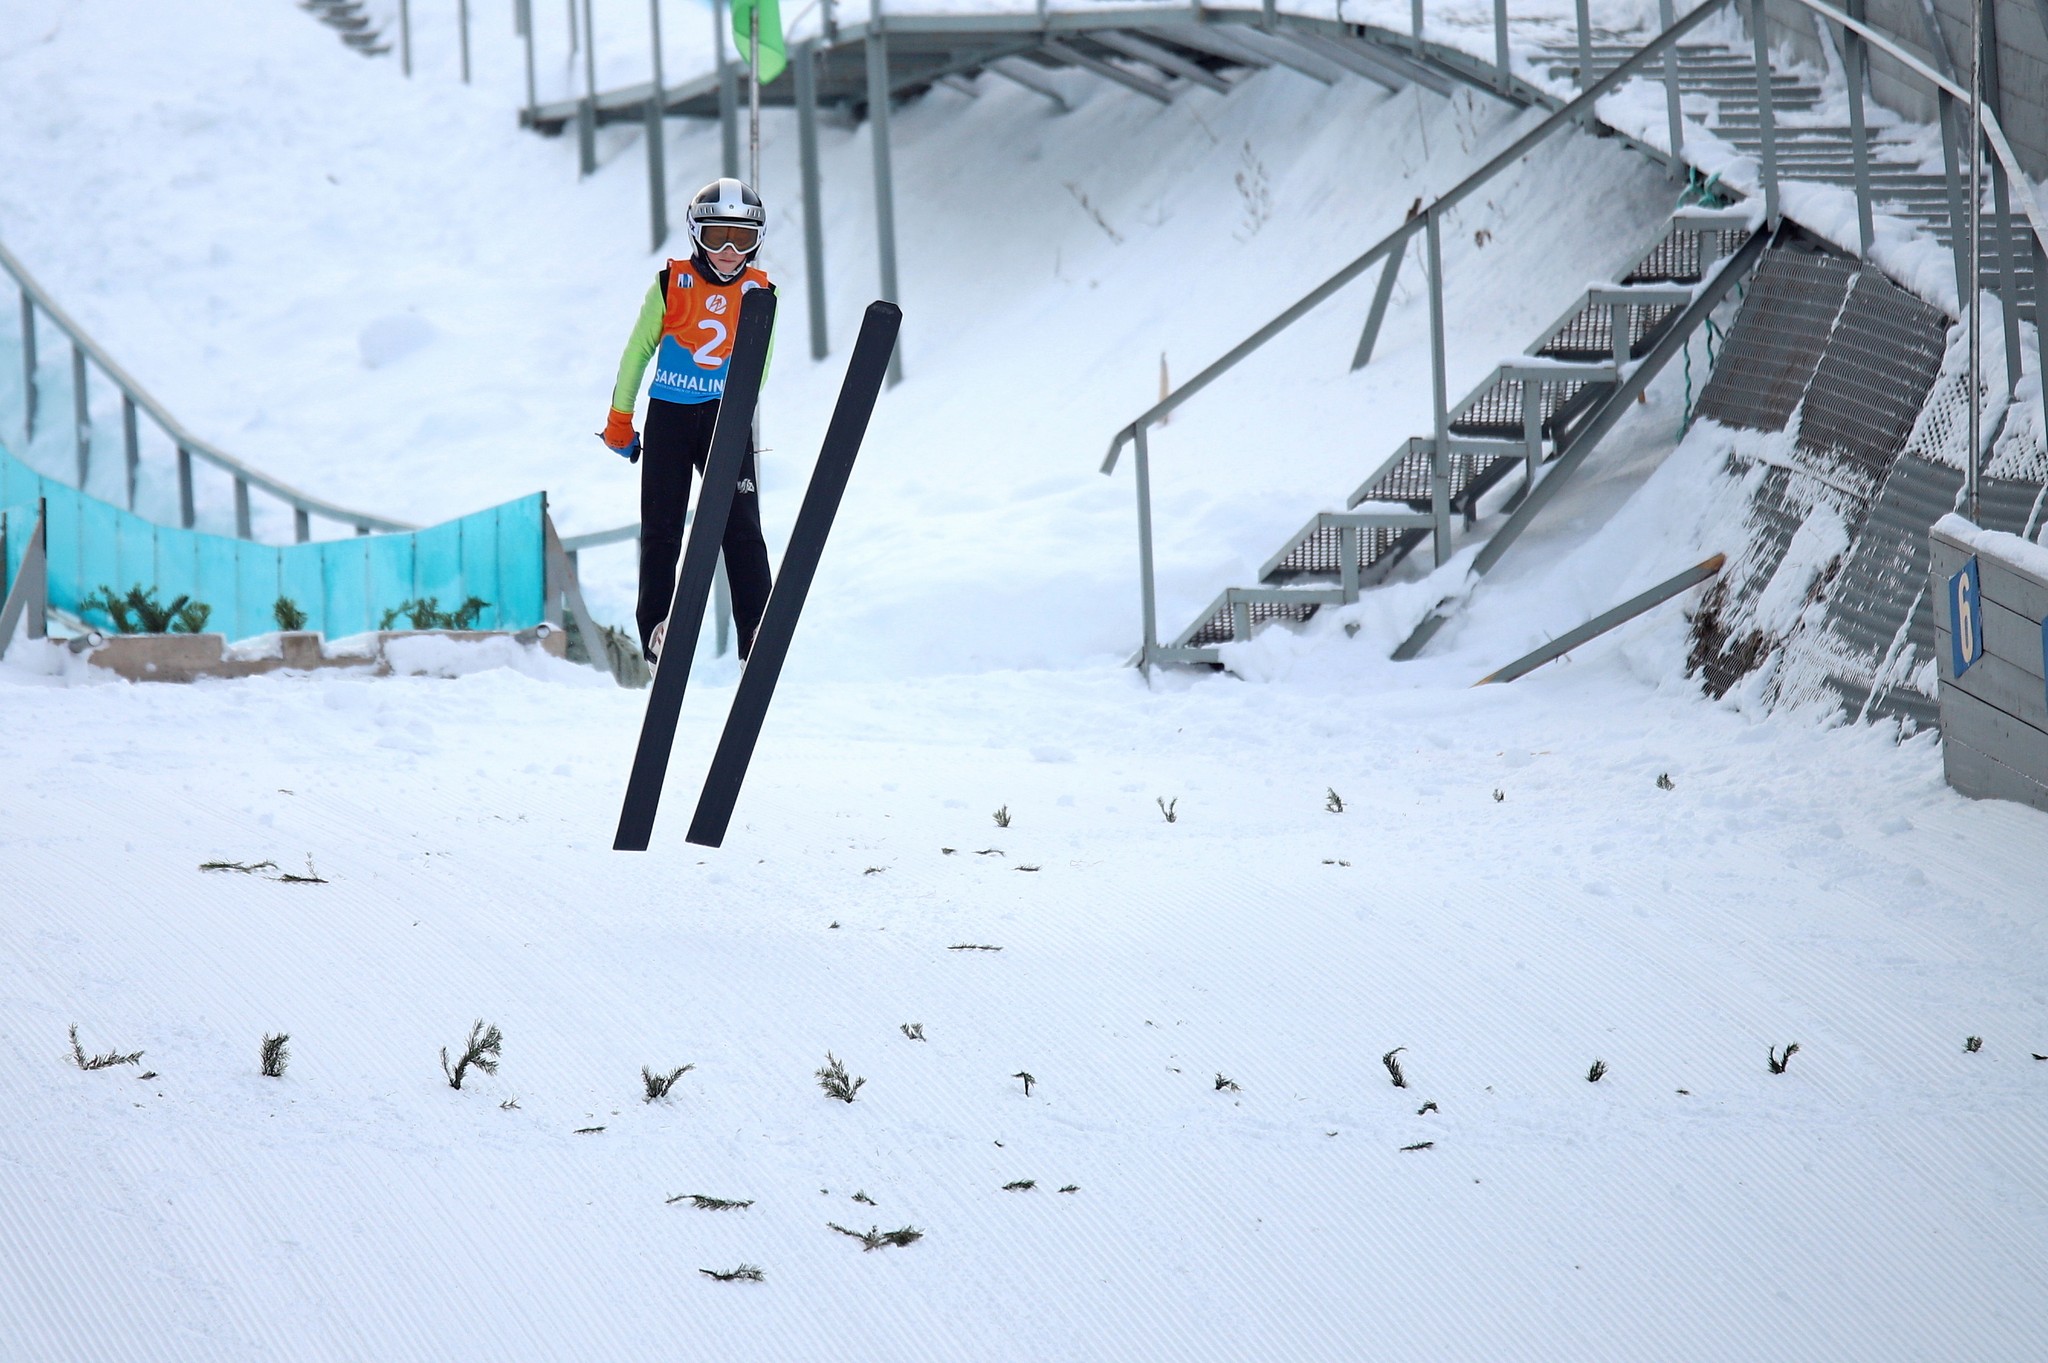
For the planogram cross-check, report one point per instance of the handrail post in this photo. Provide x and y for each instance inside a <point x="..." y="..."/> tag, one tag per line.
<point x="1500" y="45"/>
<point x="586" y="111"/>
<point x="1958" y="218"/>
<point x="131" y="449"/>
<point x="885" y="185"/>
<point x="242" y="529"/>
<point x="1673" y="112"/>
<point x="2001" y="198"/>
<point x="523" y="15"/>
<point x="1585" y="22"/>
<point x="28" y="365"/>
<point x="803" y="63"/>
<point x="657" y="159"/>
<point x="1381" y="295"/>
<point x="405" y="38"/>
<point x="186" y="513"/>
<point x="1853" y="63"/>
<point x="302" y="525"/>
<point x="1766" y="120"/>
<point x="462" y="19"/>
<point x="81" y="422"/>
<point x="728" y="96"/>
<point x="1147" y="601"/>
<point x="1440" y="454"/>
<point x="1414" y="23"/>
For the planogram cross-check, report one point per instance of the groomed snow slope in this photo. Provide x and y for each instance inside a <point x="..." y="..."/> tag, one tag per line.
<point x="1507" y="894"/>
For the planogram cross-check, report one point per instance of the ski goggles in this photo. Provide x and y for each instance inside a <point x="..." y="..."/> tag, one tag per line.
<point x="714" y="236"/>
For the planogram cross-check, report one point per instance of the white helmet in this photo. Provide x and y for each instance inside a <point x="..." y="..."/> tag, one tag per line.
<point x="728" y="203"/>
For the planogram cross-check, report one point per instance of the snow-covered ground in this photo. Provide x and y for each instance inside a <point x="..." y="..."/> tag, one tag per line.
<point x="1508" y="894"/>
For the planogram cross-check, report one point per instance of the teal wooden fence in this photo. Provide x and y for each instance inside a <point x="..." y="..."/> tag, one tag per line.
<point x="343" y="586"/>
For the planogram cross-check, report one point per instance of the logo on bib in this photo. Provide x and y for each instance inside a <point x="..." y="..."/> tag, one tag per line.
<point x="715" y="303"/>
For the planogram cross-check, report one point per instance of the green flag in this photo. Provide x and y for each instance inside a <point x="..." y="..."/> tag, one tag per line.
<point x="774" y="57"/>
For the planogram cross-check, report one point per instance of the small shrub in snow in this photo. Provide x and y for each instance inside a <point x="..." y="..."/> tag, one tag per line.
<point x="312" y="877"/>
<point x="1664" y="780"/>
<point x="1225" y="1084"/>
<point x="1594" y="1075"/>
<point x="711" y="1204"/>
<point x="1973" y="1044"/>
<point x="1022" y="1185"/>
<point x="1167" y="806"/>
<point x="1499" y="796"/>
<point x="875" y="1237"/>
<point x="98" y="1062"/>
<point x="1071" y="1188"/>
<point x="1333" y="802"/>
<point x="287" y="614"/>
<point x="1426" y="1108"/>
<point x="509" y="1105"/>
<point x="1419" y="1145"/>
<point x="139" y="612"/>
<point x="1002" y="817"/>
<point x="658" y="1085"/>
<point x="863" y="1197"/>
<point x="426" y="613"/>
<point x="972" y="946"/>
<point x="1028" y="1079"/>
<point x="247" y="868"/>
<point x="745" y="1273"/>
<point x="832" y="1078"/>
<point x="276" y="1054"/>
<point x="1779" y="1062"/>
<point x="1394" y="1066"/>
<point x="485" y="1043"/>
<point x="913" y="1030"/>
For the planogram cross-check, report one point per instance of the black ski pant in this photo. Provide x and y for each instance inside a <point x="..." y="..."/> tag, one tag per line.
<point x="677" y="439"/>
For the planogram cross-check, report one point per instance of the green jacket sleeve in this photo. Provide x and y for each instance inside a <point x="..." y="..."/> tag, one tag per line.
<point x="640" y="348"/>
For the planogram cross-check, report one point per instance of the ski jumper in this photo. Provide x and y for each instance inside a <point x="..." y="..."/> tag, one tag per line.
<point x="686" y="328"/>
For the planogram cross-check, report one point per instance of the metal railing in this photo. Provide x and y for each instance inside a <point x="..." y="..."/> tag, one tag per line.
<point x="1392" y="249"/>
<point x="1954" y="105"/>
<point x="85" y="355"/>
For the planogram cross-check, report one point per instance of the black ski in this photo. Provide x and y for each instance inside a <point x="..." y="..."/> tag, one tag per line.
<point x="722" y="464"/>
<point x="857" y="394"/>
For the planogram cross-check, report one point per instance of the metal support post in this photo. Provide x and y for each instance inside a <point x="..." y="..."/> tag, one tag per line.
<point x="1973" y="300"/>
<point x="1267" y="14"/>
<point x="1767" y="122"/>
<point x="885" y="188"/>
<point x="830" y="21"/>
<point x="1585" y="22"/>
<point x="81" y="422"/>
<point x="2001" y="197"/>
<point x="242" y="530"/>
<point x="405" y="37"/>
<point x="803" y="67"/>
<point x="586" y="112"/>
<point x="728" y="96"/>
<point x="1503" y="73"/>
<point x="28" y="366"/>
<point x="657" y="150"/>
<point x="462" y="20"/>
<point x="1859" y="144"/>
<point x="1532" y="429"/>
<point x="754" y="96"/>
<point x="1380" y="296"/>
<point x="185" y="512"/>
<point x="2039" y="275"/>
<point x="1440" y="455"/>
<point x="1147" y="606"/>
<point x="302" y="525"/>
<point x="131" y="448"/>
<point x="1958" y="218"/>
<point x="1673" y="113"/>
<point x="1347" y="570"/>
<point x="524" y="14"/>
<point x="1414" y="23"/>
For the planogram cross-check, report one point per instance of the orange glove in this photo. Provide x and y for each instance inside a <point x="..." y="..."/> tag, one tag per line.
<point x="618" y="429"/>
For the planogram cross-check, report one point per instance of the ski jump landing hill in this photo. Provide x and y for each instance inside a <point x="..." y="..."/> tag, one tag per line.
<point x="1781" y="160"/>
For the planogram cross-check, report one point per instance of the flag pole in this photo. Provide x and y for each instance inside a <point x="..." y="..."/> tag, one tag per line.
<point x="754" y="98"/>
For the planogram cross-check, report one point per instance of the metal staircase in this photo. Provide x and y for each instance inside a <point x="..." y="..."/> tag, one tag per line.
<point x="1569" y="385"/>
<point x="346" y="17"/>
